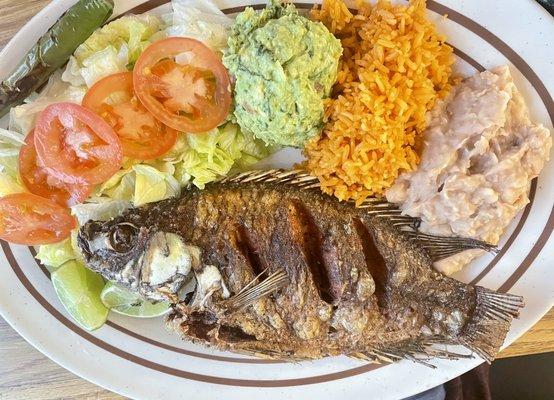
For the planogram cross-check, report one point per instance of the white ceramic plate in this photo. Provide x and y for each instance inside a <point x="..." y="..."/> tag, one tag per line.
<point x="137" y="358"/>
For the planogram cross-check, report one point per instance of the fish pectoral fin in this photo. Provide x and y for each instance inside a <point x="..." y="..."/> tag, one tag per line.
<point x="253" y="291"/>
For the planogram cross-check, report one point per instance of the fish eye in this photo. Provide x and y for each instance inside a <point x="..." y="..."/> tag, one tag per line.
<point x="123" y="237"/>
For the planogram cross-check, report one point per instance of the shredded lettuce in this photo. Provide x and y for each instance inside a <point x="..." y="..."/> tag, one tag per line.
<point x="211" y="155"/>
<point x="153" y="185"/>
<point x="133" y="31"/>
<point x="10" y="143"/>
<point x="104" y="62"/>
<point x="52" y="256"/>
<point x="99" y="210"/>
<point x="111" y="49"/>
<point x="141" y="184"/>
<point x="201" y="20"/>
<point x="22" y="117"/>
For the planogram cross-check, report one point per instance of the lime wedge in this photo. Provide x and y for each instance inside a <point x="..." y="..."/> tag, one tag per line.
<point x="125" y="302"/>
<point x="78" y="289"/>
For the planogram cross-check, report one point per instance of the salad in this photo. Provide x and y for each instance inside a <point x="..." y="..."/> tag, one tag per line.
<point x="140" y="111"/>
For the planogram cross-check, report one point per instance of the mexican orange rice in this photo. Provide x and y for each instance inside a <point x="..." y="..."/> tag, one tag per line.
<point x="394" y="68"/>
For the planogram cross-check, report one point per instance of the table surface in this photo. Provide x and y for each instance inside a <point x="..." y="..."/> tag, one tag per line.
<point x="27" y="374"/>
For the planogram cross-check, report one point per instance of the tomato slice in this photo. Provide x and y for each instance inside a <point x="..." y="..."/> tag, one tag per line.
<point x="29" y="219"/>
<point x="142" y="136"/>
<point x="75" y="145"/>
<point x="38" y="181"/>
<point x="183" y="84"/>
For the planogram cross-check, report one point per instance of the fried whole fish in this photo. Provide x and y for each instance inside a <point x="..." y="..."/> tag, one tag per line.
<point x="281" y="270"/>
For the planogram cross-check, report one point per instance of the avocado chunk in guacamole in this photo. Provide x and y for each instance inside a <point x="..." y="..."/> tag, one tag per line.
<point x="284" y="66"/>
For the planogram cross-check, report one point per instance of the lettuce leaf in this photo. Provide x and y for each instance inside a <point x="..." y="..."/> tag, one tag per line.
<point x="10" y="182"/>
<point x="9" y="185"/>
<point x="99" y="209"/>
<point x="153" y="185"/>
<point x="208" y="156"/>
<point x="201" y="20"/>
<point x="113" y="48"/>
<point x="121" y="186"/>
<point x="104" y="62"/>
<point x="133" y="31"/>
<point x="22" y="117"/>
<point x="141" y="184"/>
<point x="10" y="143"/>
<point x="52" y="256"/>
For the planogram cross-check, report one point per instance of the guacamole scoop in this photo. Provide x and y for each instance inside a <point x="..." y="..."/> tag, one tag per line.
<point x="284" y="66"/>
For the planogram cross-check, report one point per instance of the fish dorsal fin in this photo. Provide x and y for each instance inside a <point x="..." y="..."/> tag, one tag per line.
<point x="296" y="177"/>
<point x="437" y="247"/>
<point x="300" y="179"/>
<point x="254" y="291"/>
<point x="441" y="247"/>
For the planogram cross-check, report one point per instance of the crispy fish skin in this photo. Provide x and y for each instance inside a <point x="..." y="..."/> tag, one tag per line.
<point x="351" y="280"/>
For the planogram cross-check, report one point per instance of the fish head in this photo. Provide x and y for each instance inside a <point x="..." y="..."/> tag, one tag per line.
<point x="152" y="263"/>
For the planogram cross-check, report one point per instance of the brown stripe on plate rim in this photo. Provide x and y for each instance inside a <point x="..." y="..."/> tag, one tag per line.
<point x="465" y="57"/>
<point x="434" y="6"/>
<point x="524" y="266"/>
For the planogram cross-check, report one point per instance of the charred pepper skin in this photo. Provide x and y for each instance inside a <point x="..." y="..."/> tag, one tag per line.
<point x="53" y="50"/>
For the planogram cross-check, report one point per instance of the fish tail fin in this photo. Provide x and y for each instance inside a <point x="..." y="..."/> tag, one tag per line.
<point x="487" y="328"/>
<point x="483" y="334"/>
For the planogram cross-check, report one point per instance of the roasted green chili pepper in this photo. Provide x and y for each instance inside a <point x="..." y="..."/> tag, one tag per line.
<point x="53" y="50"/>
